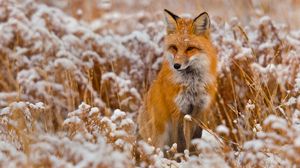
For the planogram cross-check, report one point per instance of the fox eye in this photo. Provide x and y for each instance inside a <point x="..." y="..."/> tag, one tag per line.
<point x="173" y="48"/>
<point x="189" y="49"/>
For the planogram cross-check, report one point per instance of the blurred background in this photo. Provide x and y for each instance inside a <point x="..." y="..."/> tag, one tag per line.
<point x="70" y="88"/>
<point x="287" y="11"/>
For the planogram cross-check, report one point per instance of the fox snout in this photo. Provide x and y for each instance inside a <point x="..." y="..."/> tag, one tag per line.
<point x="180" y="62"/>
<point x="180" y="66"/>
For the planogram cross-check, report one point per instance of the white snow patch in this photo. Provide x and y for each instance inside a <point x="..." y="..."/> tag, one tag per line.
<point x="72" y="119"/>
<point x="291" y="101"/>
<point x="65" y="63"/>
<point x="94" y="110"/>
<point x="255" y="145"/>
<point x="222" y="129"/>
<point x="118" y="114"/>
<point x="188" y="117"/>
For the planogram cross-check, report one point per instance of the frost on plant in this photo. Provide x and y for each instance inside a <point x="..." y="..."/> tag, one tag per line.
<point x="70" y="89"/>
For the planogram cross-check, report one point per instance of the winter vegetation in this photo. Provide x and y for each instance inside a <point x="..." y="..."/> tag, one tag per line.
<point x="73" y="76"/>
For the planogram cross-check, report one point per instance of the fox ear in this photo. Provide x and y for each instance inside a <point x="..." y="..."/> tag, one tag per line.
<point x="171" y="21"/>
<point x="201" y="23"/>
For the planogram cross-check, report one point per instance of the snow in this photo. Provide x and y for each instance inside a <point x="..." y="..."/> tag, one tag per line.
<point x="108" y="122"/>
<point x="4" y="111"/>
<point x="110" y="63"/>
<point x="73" y="119"/>
<point x="268" y="69"/>
<point x="148" y="149"/>
<point x="117" y="115"/>
<point x="257" y="129"/>
<point x="27" y="76"/>
<point x="293" y="40"/>
<point x="264" y="20"/>
<point x="255" y="145"/>
<point x="297" y="84"/>
<point x="297" y="142"/>
<point x="188" y="117"/>
<point x="291" y="101"/>
<point x="94" y="110"/>
<point x="38" y="105"/>
<point x="83" y="106"/>
<point x="208" y="140"/>
<point x="222" y="129"/>
<point x="266" y="45"/>
<point x="276" y="122"/>
<point x="296" y="119"/>
<point x="104" y="4"/>
<point x="245" y="53"/>
<point x="250" y="105"/>
<point x="8" y="151"/>
<point x="85" y="154"/>
<point x="126" y="122"/>
<point x="203" y="160"/>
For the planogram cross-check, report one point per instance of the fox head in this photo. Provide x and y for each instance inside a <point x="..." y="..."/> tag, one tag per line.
<point x="187" y="42"/>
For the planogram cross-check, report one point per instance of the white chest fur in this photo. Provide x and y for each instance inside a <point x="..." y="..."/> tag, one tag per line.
<point x="193" y="97"/>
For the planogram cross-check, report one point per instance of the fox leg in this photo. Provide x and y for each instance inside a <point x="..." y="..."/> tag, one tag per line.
<point x="184" y="130"/>
<point x="181" y="140"/>
<point x="197" y="132"/>
<point x="174" y="132"/>
<point x="159" y="127"/>
<point x="188" y="130"/>
<point x="159" y="136"/>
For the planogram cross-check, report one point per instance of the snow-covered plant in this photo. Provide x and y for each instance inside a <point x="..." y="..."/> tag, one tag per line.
<point x="70" y="89"/>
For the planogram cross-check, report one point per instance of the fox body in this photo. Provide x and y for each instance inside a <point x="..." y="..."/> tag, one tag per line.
<point x="186" y="83"/>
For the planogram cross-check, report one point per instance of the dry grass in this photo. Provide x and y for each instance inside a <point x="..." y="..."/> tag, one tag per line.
<point x="51" y="63"/>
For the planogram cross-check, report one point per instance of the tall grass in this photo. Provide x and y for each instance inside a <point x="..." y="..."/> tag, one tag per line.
<point x="71" y="89"/>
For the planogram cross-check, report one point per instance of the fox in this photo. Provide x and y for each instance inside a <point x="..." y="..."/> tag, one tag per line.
<point x="185" y="85"/>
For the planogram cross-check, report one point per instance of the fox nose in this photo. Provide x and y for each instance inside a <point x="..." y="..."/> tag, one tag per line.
<point x="177" y="66"/>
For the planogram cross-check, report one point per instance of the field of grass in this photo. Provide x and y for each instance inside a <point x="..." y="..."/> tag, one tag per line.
<point x="73" y="74"/>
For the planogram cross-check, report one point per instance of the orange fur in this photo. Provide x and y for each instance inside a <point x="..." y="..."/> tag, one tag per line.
<point x="160" y="117"/>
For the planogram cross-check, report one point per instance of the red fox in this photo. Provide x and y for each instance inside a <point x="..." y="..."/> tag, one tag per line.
<point x="186" y="83"/>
